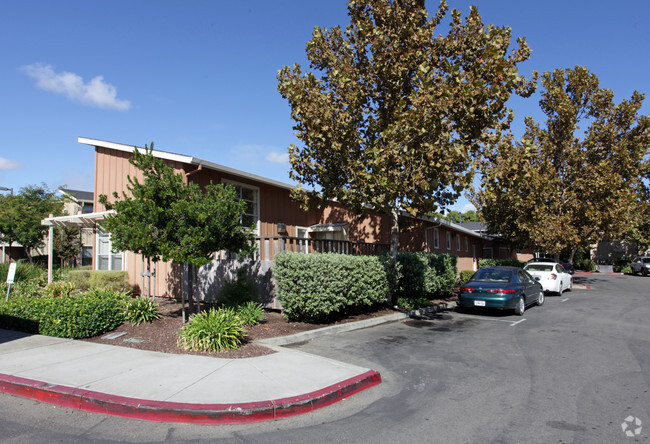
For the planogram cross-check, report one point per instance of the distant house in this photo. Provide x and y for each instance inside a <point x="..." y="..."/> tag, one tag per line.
<point x="81" y="202"/>
<point x="279" y="222"/>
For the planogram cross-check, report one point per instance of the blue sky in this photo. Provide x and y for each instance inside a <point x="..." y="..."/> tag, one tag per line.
<point x="199" y="77"/>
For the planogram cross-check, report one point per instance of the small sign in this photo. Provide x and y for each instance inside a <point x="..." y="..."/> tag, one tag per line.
<point x="12" y="273"/>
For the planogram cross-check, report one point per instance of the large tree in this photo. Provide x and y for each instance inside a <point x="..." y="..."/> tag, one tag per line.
<point x="580" y="178"/>
<point x="21" y="216"/>
<point x="394" y="112"/>
<point x="164" y="217"/>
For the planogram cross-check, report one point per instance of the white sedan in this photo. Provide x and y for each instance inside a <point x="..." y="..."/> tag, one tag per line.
<point x="553" y="277"/>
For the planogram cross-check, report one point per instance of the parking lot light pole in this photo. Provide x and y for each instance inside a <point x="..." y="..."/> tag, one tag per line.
<point x="7" y="189"/>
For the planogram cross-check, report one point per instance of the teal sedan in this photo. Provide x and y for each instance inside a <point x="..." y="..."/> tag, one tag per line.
<point x="505" y="288"/>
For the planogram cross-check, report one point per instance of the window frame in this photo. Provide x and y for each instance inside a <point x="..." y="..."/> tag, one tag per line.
<point x="256" y="201"/>
<point x="110" y="256"/>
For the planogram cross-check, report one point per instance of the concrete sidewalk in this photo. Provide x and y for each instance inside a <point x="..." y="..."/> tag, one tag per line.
<point x="178" y="388"/>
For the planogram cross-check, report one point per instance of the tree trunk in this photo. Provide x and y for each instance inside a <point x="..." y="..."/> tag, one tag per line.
<point x="394" y="232"/>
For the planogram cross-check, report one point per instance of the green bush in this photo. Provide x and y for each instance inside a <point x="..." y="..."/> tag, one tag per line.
<point x="140" y="309"/>
<point x="24" y="272"/>
<point x="215" y="330"/>
<point x="59" y="289"/>
<point x="466" y="275"/>
<point x="29" y="288"/>
<point x="238" y="291"/>
<point x="112" y="280"/>
<point x="321" y="287"/>
<point x="412" y="303"/>
<point x="483" y="263"/>
<point x="80" y="279"/>
<point x="426" y="274"/>
<point x="251" y="313"/>
<point x="73" y="317"/>
<point x="625" y="269"/>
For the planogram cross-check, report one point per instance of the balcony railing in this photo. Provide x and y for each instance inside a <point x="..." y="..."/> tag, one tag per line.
<point x="269" y="246"/>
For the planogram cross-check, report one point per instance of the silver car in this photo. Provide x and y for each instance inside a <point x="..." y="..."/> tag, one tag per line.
<point x="641" y="265"/>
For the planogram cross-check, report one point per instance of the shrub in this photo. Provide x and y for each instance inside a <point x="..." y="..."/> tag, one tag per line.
<point x="251" y="313"/>
<point x="59" y="289"/>
<point x="237" y="291"/>
<point x="501" y="263"/>
<point x="73" y="317"/>
<point x="112" y="280"/>
<point x="24" y="272"/>
<point x="466" y="275"/>
<point x="80" y="279"/>
<point x="625" y="269"/>
<point x="426" y="274"/>
<point x="140" y="309"/>
<point x="412" y="303"/>
<point x="320" y="287"/>
<point x="29" y="288"/>
<point x="215" y="330"/>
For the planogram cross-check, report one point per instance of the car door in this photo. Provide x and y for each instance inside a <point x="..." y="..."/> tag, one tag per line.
<point x="563" y="275"/>
<point x="529" y="286"/>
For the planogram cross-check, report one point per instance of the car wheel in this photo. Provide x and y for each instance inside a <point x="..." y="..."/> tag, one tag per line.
<point x="540" y="298"/>
<point x="521" y="307"/>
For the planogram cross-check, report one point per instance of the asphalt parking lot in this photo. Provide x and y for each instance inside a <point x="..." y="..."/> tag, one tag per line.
<point x="575" y="370"/>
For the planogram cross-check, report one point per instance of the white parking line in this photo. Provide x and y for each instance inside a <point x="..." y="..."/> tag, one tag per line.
<point x="491" y="319"/>
<point x="564" y="300"/>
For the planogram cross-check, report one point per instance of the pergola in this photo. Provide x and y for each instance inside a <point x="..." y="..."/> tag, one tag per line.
<point x="88" y="220"/>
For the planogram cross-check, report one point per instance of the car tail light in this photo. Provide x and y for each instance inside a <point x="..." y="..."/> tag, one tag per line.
<point x="466" y="289"/>
<point x="498" y="290"/>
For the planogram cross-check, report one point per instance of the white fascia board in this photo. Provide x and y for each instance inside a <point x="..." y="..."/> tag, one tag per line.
<point x="189" y="160"/>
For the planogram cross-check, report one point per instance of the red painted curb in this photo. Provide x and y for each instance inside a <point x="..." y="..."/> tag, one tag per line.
<point x="249" y="412"/>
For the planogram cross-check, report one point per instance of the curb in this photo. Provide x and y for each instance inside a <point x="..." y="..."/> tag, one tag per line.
<point x="350" y="326"/>
<point x="325" y="331"/>
<point x="242" y="413"/>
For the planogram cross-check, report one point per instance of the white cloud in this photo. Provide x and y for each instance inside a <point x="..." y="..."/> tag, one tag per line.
<point x="277" y="157"/>
<point x="95" y="92"/>
<point x="7" y="165"/>
<point x="468" y="207"/>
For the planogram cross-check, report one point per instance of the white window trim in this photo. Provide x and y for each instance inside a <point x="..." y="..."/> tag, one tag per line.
<point x="110" y="254"/>
<point x="257" y="201"/>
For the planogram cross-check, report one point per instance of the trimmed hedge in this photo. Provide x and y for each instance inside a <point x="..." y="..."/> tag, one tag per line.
<point x="87" y="279"/>
<point x="72" y="317"/>
<point x="466" y="275"/>
<point x="501" y="263"/>
<point x="425" y="274"/>
<point x="319" y="287"/>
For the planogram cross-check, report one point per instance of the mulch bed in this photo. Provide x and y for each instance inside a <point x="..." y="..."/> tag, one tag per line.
<point x="161" y="334"/>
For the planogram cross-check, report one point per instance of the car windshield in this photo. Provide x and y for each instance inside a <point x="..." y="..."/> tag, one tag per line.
<point x="492" y="275"/>
<point x="539" y="267"/>
<point x="646" y="260"/>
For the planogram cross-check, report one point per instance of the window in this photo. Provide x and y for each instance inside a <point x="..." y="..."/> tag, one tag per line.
<point x="448" y="237"/>
<point x="106" y="258"/>
<point x="436" y="238"/>
<point x="466" y="244"/>
<point x="250" y="195"/>
<point x="457" y="242"/>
